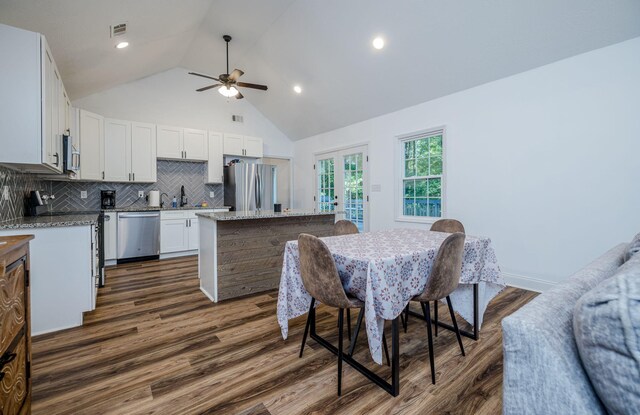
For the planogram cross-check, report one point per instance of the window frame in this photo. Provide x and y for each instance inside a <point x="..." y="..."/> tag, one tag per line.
<point x="400" y="177"/>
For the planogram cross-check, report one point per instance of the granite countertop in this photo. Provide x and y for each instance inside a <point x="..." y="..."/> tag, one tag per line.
<point x="149" y="208"/>
<point x="50" y="221"/>
<point x="264" y="214"/>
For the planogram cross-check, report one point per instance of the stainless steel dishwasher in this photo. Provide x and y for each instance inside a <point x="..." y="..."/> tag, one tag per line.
<point x="138" y="236"/>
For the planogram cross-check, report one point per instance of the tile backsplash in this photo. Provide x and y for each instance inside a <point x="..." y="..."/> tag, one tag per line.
<point x="171" y="175"/>
<point x="19" y="184"/>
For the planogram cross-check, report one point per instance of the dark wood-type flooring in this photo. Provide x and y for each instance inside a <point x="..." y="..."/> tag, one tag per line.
<point x="156" y="344"/>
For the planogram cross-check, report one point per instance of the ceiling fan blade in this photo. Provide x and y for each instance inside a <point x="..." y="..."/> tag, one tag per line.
<point x="254" y="86"/>
<point x="237" y="73"/>
<point x="239" y="95"/>
<point x="208" y="87"/>
<point x="204" y="76"/>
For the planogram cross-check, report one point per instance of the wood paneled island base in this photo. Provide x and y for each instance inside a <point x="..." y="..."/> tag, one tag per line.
<point x="241" y="252"/>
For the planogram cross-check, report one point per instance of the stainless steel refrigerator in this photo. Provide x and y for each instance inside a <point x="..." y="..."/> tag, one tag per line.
<point x="249" y="186"/>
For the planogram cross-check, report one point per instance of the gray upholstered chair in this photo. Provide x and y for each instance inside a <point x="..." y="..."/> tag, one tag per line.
<point x="447" y="225"/>
<point x="442" y="281"/>
<point x="345" y="227"/>
<point x="321" y="280"/>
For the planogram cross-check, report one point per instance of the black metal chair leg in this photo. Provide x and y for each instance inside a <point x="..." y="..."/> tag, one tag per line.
<point x="356" y="331"/>
<point x="406" y="317"/>
<point x="435" y="317"/>
<point x="386" y="349"/>
<point x="349" y="323"/>
<point x="306" y="327"/>
<point x="455" y="325"/>
<point x="427" y="313"/>
<point x="340" y="336"/>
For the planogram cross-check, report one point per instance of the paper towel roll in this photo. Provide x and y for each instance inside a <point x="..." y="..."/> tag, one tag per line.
<point x="154" y="198"/>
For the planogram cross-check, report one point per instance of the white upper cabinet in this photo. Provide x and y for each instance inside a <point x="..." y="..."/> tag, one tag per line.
<point x="242" y="145"/>
<point x="179" y="143"/>
<point x="30" y="98"/>
<point x="195" y="144"/>
<point x="170" y="142"/>
<point x="129" y="151"/>
<point x="234" y="145"/>
<point x="117" y="151"/>
<point x="216" y="159"/>
<point x="143" y="152"/>
<point x="253" y="147"/>
<point x="91" y="145"/>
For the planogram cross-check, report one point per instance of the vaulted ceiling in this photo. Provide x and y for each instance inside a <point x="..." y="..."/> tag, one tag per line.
<point x="433" y="47"/>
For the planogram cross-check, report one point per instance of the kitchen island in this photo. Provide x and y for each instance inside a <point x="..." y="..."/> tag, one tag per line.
<point x="241" y="252"/>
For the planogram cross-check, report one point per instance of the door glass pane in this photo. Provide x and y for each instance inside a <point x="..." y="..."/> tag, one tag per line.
<point x="326" y="185"/>
<point x="354" y="189"/>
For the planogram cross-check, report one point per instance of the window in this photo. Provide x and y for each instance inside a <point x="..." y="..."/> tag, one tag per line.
<point x="421" y="179"/>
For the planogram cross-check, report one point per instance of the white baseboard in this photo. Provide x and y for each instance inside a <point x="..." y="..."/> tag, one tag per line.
<point x="527" y="283"/>
<point x="65" y="327"/>
<point x="178" y="254"/>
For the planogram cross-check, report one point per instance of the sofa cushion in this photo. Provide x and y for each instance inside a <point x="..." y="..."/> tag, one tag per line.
<point x="633" y="247"/>
<point x="606" y="325"/>
<point x="542" y="369"/>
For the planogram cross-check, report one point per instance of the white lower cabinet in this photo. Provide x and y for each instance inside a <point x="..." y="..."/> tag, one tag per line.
<point x="110" y="236"/>
<point x="173" y="236"/>
<point x="179" y="231"/>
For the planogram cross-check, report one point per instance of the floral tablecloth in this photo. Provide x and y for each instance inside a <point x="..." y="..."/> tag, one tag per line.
<point x="385" y="269"/>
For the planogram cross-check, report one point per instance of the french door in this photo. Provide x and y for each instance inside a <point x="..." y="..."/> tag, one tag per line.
<point x="341" y="184"/>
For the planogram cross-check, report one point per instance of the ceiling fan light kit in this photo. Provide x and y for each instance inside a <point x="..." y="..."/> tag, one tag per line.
<point x="228" y="82"/>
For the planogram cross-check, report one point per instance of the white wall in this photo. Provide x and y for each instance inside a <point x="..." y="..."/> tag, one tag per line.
<point x="170" y="98"/>
<point x="545" y="162"/>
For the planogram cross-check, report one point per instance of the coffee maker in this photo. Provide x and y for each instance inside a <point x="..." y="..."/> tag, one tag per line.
<point x="36" y="203"/>
<point x="108" y="199"/>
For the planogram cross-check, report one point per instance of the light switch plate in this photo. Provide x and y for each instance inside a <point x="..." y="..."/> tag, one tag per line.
<point x="5" y="193"/>
<point x="212" y="194"/>
<point x="83" y="194"/>
<point x="140" y="193"/>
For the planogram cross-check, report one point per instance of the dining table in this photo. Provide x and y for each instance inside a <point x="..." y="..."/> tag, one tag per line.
<point x="386" y="269"/>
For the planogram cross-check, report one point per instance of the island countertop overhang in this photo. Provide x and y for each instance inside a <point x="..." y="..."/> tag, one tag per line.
<point x="263" y="214"/>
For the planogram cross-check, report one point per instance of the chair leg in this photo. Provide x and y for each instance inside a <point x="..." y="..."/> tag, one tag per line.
<point x="455" y="325"/>
<point x="427" y="313"/>
<point x="349" y="323"/>
<point x="386" y="349"/>
<point x="306" y="327"/>
<point x="340" y="336"/>
<point x="406" y="317"/>
<point x="435" y="317"/>
<point x="356" y="331"/>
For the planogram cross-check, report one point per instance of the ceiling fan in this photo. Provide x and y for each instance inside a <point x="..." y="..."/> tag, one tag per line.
<point x="228" y="81"/>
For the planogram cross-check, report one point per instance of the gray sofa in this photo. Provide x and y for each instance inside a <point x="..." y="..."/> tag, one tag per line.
<point x="543" y="370"/>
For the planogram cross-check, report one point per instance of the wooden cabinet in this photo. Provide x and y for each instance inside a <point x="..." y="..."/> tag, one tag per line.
<point x="129" y="153"/>
<point x="215" y="165"/>
<point x="177" y="143"/>
<point x="15" y="341"/>
<point x="91" y="146"/>
<point x="32" y="103"/>
<point x="243" y="146"/>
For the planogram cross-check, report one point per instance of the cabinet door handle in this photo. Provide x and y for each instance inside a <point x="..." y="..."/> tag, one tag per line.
<point x="57" y="156"/>
<point x="134" y="176"/>
<point x="102" y="175"/>
<point x="185" y="154"/>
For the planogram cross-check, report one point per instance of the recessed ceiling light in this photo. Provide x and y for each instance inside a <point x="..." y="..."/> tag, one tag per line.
<point x="378" y="43"/>
<point x="297" y="89"/>
<point x="122" y="45"/>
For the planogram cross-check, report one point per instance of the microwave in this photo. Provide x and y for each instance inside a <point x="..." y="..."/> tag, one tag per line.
<point x="71" y="156"/>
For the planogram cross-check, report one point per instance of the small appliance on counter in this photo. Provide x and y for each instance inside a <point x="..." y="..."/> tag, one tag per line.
<point x="36" y="203"/>
<point x="107" y="199"/>
<point x="183" y="197"/>
<point x="153" y="198"/>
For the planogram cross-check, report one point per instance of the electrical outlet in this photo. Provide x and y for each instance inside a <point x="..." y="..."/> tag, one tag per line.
<point x="5" y="193"/>
<point x="140" y="193"/>
<point x="212" y="194"/>
<point x="83" y="194"/>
